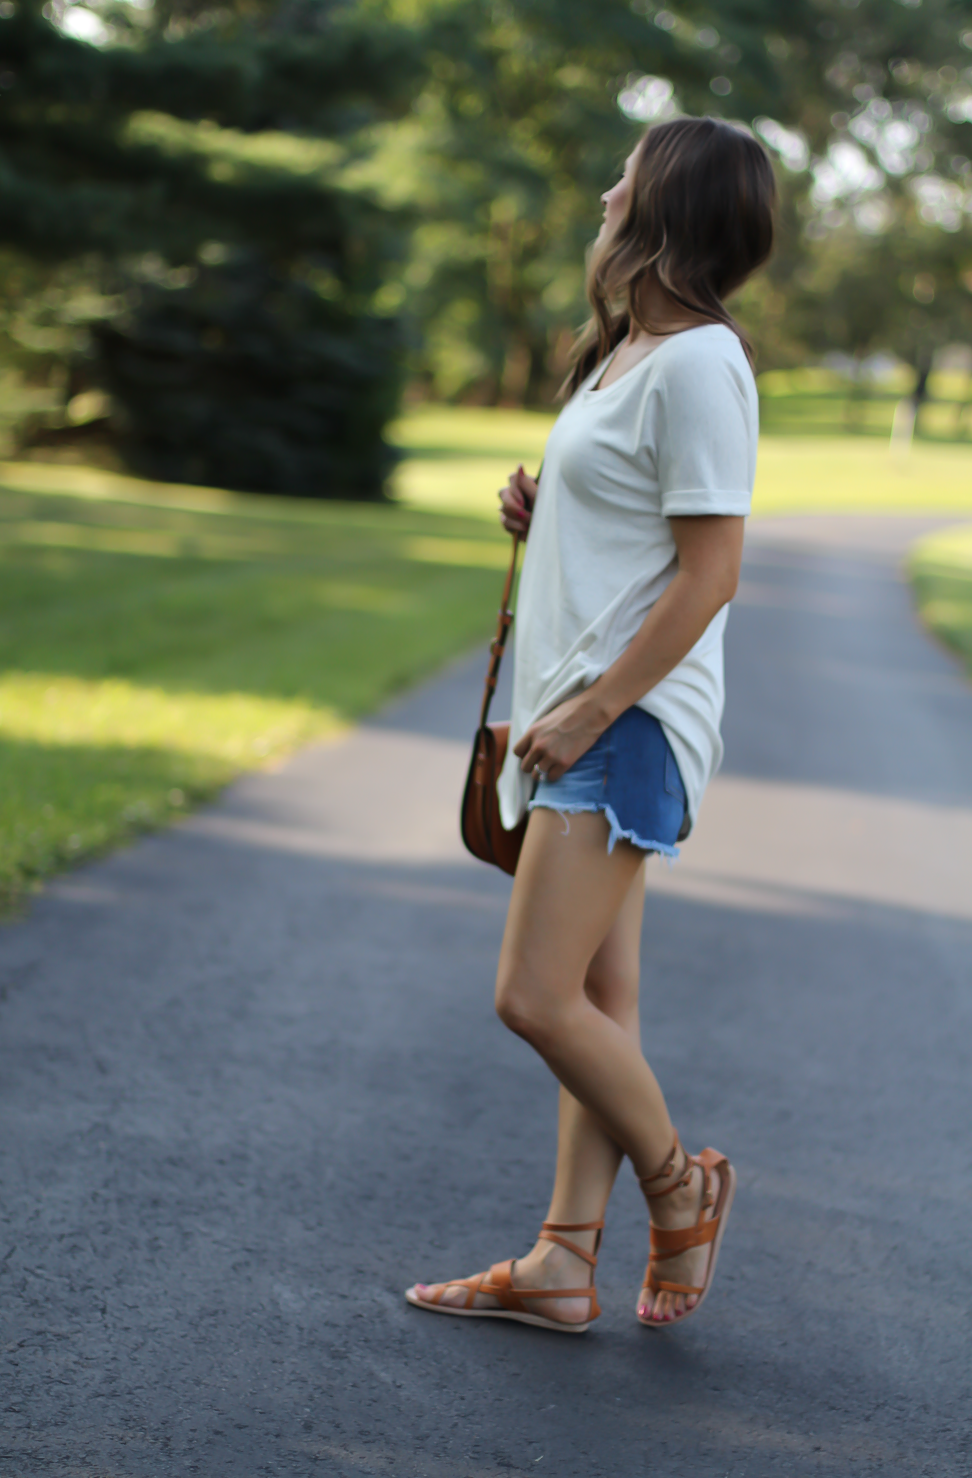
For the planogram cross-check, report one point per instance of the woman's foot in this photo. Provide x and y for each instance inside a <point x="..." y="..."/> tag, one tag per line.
<point x="680" y="1208"/>
<point x="548" y="1265"/>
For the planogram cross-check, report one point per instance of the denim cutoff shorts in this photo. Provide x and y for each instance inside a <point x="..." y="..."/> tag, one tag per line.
<point x="630" y="774"/>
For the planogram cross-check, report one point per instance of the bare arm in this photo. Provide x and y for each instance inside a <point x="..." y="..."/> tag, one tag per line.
<point x="709" y="555"/>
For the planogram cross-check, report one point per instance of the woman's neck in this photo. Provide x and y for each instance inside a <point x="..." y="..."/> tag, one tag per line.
<point x="662" y="312"/>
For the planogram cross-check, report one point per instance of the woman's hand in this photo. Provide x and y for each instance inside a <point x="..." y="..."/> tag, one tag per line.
<point x="516" y="502"/>
<point x="557" y="741"/>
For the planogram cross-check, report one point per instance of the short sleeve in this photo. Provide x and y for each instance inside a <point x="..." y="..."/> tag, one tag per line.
<point x="707" y="430"/>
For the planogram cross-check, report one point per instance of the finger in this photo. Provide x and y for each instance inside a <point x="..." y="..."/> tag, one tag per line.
<point x="513" y="516"/>
<point x="529" y="758"/>
<point x="535" y="758"/>
<point x="523" y="744"/>
<point x="513" y="500"/>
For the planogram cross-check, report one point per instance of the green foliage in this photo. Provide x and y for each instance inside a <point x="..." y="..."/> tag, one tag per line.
<point x="876" y="246"/>
<point x="902" y="289"/>
<point x="492" y="127"/>
<point x="836" y="56"/>
<point x="517" y="133"/>
<point x="244" y="233"/>
<point x="74" y="178"/>
<point x="246" y="379"/>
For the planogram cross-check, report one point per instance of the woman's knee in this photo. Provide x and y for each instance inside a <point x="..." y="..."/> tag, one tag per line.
<point x="523" y="1005"/>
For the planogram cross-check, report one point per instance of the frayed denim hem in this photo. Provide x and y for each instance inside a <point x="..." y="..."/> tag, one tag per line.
<point x="618" y="832"/>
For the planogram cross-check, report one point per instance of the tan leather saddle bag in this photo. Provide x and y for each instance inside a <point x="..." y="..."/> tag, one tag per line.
<point x="482" y="830"/>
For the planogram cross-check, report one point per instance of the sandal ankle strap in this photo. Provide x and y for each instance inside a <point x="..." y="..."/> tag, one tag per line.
<point x="550" y="1229"/>
<point x="684" y="1175"/>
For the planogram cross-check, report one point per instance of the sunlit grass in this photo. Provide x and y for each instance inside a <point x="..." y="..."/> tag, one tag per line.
<point x="459" y="458"/>
<point x="228" y="728"/>
<point x="155" y="641"/>
<point x="855" y="475"/>
<point x="86" y="762"/>
<point x="941" y="570"/>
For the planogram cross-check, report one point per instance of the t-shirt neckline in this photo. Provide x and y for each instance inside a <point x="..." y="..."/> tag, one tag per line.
<point x="601" y="369"/>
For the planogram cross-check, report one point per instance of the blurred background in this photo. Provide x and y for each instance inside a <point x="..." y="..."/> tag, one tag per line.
<point x="286" y="289"/>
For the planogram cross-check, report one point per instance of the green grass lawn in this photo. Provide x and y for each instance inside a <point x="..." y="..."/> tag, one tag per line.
<point x="941" y="572"/>
<point x="458" y="458"/>
<point x="155" y="641"/>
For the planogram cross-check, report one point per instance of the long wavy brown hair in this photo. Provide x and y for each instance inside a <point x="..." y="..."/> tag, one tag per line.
<point x="699" y="220"/>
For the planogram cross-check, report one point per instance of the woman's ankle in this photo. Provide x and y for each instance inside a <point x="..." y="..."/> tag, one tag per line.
<point x="556" y="1264"/>
<point x="670" y="1178"/>
<point x="586" y="1241"/>
<point x="683" y="1200"/>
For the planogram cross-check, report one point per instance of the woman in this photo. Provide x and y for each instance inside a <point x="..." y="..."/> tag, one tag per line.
<point x="634" y="550"/>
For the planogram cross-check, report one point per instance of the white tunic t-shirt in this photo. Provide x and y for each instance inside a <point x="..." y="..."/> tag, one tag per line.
<point x="676" y="434"/>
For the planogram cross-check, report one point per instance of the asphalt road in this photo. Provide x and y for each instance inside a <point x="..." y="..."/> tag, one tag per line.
<point x="252" y="1086"/>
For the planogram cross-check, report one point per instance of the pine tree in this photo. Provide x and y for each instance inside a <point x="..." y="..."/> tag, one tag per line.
<point x="246" y="351"/>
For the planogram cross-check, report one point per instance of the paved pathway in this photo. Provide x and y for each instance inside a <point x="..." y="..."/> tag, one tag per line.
<point x="252" y="1085"/>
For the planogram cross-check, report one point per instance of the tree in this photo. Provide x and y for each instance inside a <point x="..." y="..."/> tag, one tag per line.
<point x="519" y="129"/>
<point x="878" y="250"/>
<point x="517" y="133"/>
<point x="165" y="160"/>
<point x="495" y="124"/>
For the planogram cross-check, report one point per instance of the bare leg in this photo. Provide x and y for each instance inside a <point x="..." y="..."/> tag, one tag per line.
<point x="571" y="900"/>
<point x="567" y="895"/>
<point x="588" y="1159"/>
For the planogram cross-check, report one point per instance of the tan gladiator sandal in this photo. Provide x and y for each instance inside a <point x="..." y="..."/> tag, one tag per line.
<point x="667" y="1242"/>
<point x="498" y="1283"/>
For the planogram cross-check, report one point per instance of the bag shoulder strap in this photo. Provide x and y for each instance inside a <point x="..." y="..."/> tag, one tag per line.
<point x="498" y="645"/>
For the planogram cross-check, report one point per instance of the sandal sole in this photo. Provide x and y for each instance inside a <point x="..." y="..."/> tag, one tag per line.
<point x="537" y="1320"/>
